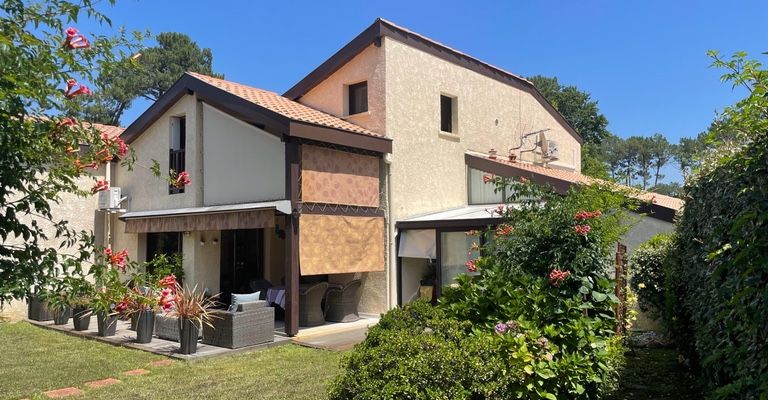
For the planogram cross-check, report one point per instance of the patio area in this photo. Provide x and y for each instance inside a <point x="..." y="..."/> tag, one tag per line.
<point x="328" y="336"/>
<point x="126" y="338"/>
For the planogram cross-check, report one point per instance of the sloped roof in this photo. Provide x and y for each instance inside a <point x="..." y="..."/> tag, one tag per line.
<point x="382" y="27"/>
<point x="269" y="111"/>
<point x="110" y="130"/>
<point x="282" y="105"/>
<point x="563" y="179"/>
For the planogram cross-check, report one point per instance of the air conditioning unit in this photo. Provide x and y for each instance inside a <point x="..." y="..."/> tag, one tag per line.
<point x="549" y="150"/>
<point x="110" y="199"/>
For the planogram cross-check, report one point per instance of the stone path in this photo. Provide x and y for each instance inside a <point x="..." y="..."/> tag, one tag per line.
<point x="74" y="391"/>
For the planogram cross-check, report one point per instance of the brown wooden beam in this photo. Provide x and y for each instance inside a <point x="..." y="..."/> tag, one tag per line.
<point x="292" y="239"/>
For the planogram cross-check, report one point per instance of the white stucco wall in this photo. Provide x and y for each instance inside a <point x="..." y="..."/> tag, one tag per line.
<point x="144" y="190"/>
<point x="330" y="95"/>
<point x="80" y="214"/>
<point x="242" y="163"/>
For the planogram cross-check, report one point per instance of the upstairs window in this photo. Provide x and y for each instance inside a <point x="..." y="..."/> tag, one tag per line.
<point x="358" y="98"/>
<point x="447" y="114"/>
<point x="178" y="141"/>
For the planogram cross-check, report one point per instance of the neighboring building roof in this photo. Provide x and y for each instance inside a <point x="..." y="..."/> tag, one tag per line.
<point x="283" y="106"/>
<point x="382" y="27"/>
<point x="267" y="110"/>
<point x="660" y="206"/>
<point x="110" y="130"/>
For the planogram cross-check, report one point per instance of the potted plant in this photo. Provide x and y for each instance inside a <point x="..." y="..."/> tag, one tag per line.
<point x="140" y="304"/>
<point x="58" y="301"/>
<point x="191" y="307"/>
<point x="37" y="308"/>
<point x="82" y="295"/>
<point x="111" y="291"/>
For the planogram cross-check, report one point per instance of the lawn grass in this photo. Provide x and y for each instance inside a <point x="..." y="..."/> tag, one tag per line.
<point x="656" y="374"/>
<point x="34" y="360"/>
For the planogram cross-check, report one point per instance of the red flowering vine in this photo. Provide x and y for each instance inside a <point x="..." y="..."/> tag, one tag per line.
<point x="182" y="179"/>
<point x="582" y="229"/>
<point x="487" y="178"/>
<point x="168" y="281"/>
<point x="100" y="185"/>
<point x="523" y="179"/>
<point x="75" y="89"/>
<point x="585" y="215"/>
<point x="471" y="265"/>
<point x="118" y="259"/>
<point x="558" y="276"/>
<point x="75" y="40"/>
<point x="504" y="230"/>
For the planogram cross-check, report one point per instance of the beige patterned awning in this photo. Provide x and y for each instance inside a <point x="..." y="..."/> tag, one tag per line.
<point x="236" y="216"/>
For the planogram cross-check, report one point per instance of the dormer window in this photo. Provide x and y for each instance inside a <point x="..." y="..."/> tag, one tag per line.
<point x="358" y="98"/>
<point x="178" y="144"/>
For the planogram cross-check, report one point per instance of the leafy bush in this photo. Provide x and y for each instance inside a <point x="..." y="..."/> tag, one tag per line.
<point x="537" y="322"/>
<point x="647" y="267"/>
<point x="718" y="278"/>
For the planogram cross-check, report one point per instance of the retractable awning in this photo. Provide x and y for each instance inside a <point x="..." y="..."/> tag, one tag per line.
<point x="464" y="217"/>
<point x="232" y="216"/>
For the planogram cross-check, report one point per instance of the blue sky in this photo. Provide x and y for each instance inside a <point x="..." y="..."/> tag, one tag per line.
<point x="645" y="62"/>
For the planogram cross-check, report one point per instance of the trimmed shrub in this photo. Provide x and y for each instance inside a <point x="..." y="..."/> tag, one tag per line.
<point x="718" y="280"/>
<point x="647" y="267"/>
<point x="538" y="321"/>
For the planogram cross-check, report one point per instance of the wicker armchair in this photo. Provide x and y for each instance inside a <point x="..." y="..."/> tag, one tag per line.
<point x="310" y="307"/>
<point x="253" y="323"/>
<point x="341" y="303"/>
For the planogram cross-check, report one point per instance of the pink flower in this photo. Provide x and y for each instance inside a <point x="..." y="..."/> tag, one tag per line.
<point x="523" y="179"/>
<point x="75" y="40"/>
<point x="71" y="92"/>
<point x="504" y="230"/>
<point x="582" y="229"/>
<point x="168" y="283"/>
<point x="121" y="306"/>
<point x="122" y="148"/>
<point x="501" y="328"/>
<point x="118" y="259"/>
<point x="471" y="266"/>
<point x="487" y="178"/>
<point x="499" y="209"/>
<point x="183" y="179"/>
<point x="557" y="276"/>
<point x="584" y="215"/>
<point x="100" y="186"/>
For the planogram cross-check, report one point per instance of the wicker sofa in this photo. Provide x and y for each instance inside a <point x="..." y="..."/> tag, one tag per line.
<point x="167" y="327"/>
<point x="341" y="303"/>
<point x="253" y="323"/>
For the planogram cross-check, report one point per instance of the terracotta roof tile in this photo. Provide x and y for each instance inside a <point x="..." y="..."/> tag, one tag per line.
<point x="669" y="202"/>
<point x="282" y="105"/>
<point x="110" y="130"/>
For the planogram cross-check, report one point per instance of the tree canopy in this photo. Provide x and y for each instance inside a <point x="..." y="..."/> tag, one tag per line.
<point x="147" y="75"/>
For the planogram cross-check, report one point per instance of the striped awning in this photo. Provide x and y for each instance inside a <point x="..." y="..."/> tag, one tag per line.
<point x="234" y="216"/>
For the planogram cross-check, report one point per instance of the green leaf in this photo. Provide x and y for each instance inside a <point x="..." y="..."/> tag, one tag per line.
<point x="599" y="296"/>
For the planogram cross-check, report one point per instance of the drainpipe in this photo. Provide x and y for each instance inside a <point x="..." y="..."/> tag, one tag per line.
<point x="391" y="272"/>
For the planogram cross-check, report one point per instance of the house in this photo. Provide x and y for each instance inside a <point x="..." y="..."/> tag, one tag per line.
<point x="368" y="168"/>
<point x="80" y="213"/>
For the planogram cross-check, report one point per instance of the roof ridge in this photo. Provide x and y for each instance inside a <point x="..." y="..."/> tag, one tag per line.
<point x="412" y="32"/>
<point x="197" y="75"/>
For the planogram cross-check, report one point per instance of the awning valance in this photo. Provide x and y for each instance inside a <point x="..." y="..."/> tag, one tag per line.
<point x="235" y="216"/>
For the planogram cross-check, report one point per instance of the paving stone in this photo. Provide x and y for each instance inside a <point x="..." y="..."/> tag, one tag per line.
<point x="102" y="383"/>
<point x="161" y="363"/>
<point x="136" y="372"/>
<point x="65" y="392"/>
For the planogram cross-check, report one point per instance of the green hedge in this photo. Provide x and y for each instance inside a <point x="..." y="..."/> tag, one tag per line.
<point x="718" y="277"/>
<point x="647" y="267"/>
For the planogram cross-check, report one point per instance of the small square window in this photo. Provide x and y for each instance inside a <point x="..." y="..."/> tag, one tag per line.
<point x="447" y="114"/>
<point x="358" y="98"/>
